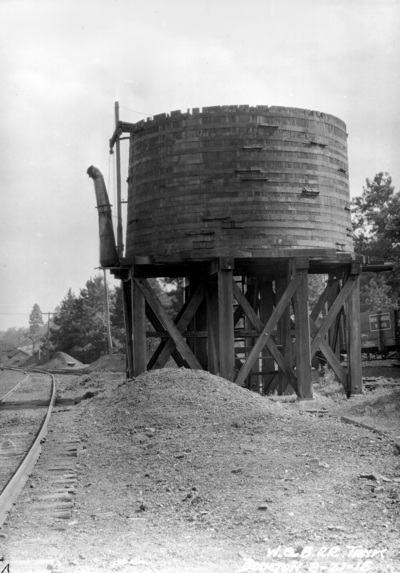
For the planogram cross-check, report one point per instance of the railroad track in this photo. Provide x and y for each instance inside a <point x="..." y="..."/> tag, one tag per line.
<point x="25" y="409"/>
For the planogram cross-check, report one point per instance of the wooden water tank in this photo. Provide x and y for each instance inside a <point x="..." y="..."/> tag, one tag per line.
<point x="233" y="180"/>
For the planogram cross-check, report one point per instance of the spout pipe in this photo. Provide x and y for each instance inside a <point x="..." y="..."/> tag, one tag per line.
<point x="108" y="250"/>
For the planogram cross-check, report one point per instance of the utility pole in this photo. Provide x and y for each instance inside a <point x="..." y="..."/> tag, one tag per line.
<point x="110" y="349"/>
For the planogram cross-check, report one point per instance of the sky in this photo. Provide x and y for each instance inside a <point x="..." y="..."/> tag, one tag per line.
<point x="64" y="64"/>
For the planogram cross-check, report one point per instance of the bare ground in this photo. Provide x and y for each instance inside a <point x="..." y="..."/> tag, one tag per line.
<point x="181" y="471"/>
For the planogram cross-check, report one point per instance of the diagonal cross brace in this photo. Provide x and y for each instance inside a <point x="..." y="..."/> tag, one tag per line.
<point x="330" y="317"/>
<point x="166" y="348"/>
<point x="265" y="335"/>
<point x="158" y="326"/>
<point x="330" y="356"/>
<point x="282" y="363"/>
<point x="319" y="305"/>
<point x="238" y="314"/>
<point x="167" y="323"/>
<point x="259" y="326"/>
<point x="247" y="308"/>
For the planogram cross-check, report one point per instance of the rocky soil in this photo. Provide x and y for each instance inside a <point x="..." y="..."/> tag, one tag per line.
<point x="182" y="471"/>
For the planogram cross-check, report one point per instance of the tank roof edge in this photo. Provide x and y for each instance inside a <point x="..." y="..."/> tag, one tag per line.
<point x="210" y="110"/>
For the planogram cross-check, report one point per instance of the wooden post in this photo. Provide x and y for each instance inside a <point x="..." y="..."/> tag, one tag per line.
<point x="110" y="349"/>
<point x="333" y="331"/>
<point x="253" y="382"/>
<point x="127" y="300"/>
<point x="354" y="336"/>
<point x="266" y="308"/>
<point x="198" y="323"/>
<point x="284" y="331"/>
<point x="212" y="325"/>
<point x="249" y="286"/>
<point x="138" y="330"/>
<point x="188" y="290"/>
<point x="302" y="333"/>
<point x="225" y="324"/>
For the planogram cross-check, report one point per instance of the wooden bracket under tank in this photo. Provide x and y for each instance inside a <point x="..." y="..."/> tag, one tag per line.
<point x="249" y="321"/>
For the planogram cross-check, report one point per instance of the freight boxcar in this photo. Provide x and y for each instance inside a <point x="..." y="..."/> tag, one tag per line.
<point x="380" y="332"/>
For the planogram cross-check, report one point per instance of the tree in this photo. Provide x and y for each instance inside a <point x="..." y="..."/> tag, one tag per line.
<point x="46" y="343"/>
<point x="376" y="227"/>
<point x="81" y="323"/>
<point x="375" y="293"/>
<point x="373" y="209"/>
<point x="65" y="335"/>
<point x="93" y="318"/>
<point x="170" y="293"/>
<point x="117" y="319"/>
<point x="35" y="322"/>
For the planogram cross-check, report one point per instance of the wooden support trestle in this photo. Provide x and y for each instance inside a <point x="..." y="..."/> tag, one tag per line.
<point x="249" y="321"/>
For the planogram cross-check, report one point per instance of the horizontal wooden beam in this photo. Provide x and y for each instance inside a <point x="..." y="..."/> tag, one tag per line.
<point x="185" y="334"/>
<point x="263" y="373"/>
<point x="245" y="349"/>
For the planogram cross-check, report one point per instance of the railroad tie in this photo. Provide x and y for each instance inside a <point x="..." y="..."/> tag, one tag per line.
<point x="57" y="499"/>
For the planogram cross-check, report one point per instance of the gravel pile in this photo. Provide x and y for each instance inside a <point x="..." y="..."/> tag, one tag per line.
<point x="115" y="363"/>
<point x="181" y="471"/>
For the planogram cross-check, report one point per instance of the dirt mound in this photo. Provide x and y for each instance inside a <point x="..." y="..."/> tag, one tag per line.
<point x="182" y="471"/>
<point x="193" y="461"/>
<point x="116" y="363"/>
<point x="30" y="362"/>
<point x="379" y="410"/>
<point x="385" y="405"/>
<point x="62" y="361"/>
<point x="76" y="383"/>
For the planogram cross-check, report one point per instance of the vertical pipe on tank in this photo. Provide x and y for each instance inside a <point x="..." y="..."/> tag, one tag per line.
<point x="118" y="160"/>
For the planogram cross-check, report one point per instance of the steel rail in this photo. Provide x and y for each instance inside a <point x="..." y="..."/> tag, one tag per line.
<point x="17" y="385"/>
<point x="18" y="480"/>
